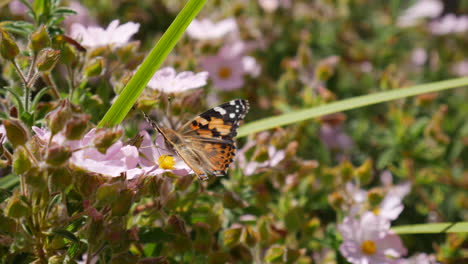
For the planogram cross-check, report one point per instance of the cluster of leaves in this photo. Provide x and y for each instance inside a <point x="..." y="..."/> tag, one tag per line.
<point x="53" y="212"/>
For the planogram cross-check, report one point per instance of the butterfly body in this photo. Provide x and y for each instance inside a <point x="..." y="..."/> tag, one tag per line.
<point x="206" y="143"/>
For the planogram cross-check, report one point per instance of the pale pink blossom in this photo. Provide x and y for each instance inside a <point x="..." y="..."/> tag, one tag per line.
<point x="114" y="35"/>
<point x="3" y="134"/>
<point x="272" y="5"/>
<point x="82" y="16"/>
<point x="117" y="159"/>
<point x="167" y="80"/>
<point x="460" y="68"/>
<point x="421" y="258"/>
<point x="275" y="156"/>
<point x="334" y="137"/>
<point x="420" y="10"/>
<point x="390" y="207"/>
<point x="206" y="29"/>
<point x="448" y="24"/>
<point x="419" y="56"/>
<point x="399" y="190"/>
<point x="369" y="240"/>
<point x="18" y="8"/>
<point x="228" y="67"/>
<point x="150" y="154"/>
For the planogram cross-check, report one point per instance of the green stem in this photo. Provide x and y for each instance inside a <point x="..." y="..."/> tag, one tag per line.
<point x="137" y="83"/>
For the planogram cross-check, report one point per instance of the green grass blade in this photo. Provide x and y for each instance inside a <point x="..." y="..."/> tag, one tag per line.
<point x="460" y="227"/>
<point x="135" y="86"/>
<point x="347" y="104"/>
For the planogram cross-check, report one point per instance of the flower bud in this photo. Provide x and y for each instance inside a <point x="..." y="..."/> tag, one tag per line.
<point x="57" y="119"/>
<point x="250" y="237"/>
<point x="56" y="259"/>
<point x="105" y="139"/>
<point x="346" y="170"/>
<point x="275" y="254"/>
<point x="68" y="54"/>
<point x="263" y="229"/>
<point x="8" y="48"/>
<point x="128" y="51"/>
<point x="59" y="179"/>
<point x="76" y="127"/>
<point x="231" y="237"/>
<point x="232" y="200"/>
<point x="375" y="197"/>
<point x="14" y="112"/>
<point x="94" y="68"/>
<point x="121" y="206"/>
<point x="35" y="179"/>
<point x="183" y="182"/>
<point x="203" y="237"/>
<point x="21" y="161"/>
<point x="108" y="193"/>
<point x="17" y="134"/>
<point x="364" y="172"/>
<point x="7" y="224"/>
<point x="17" y="207"/>
<point x="336" y="200"/>
<point x="39" y="39"/>
<point x="176" y="225"/>
<point x="58" y="155"/>
<point x="47" y="59"/>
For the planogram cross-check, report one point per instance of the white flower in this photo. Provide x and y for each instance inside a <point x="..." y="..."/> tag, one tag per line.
<point x="460" y="68"/>
<point x="3" y="132"/>
<point x="207" y="29"/>
<point x="113" y="35"/>
<point x="419" y="56"/>
<point x="421" y="258"/>
<point x="272" y="5"/>
<point x="168" y="81"/>
<point x="369" y="240"/>
<point x="449" y="24"/>
<point x="422" y="9"/>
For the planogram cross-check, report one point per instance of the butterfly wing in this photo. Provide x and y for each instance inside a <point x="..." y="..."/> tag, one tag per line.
<point x="211" y="136"/>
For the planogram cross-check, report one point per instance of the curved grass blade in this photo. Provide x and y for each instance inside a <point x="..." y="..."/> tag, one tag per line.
<point x="135" y="86"/>
<point x="460" y="227"/>
<point x="347" y="104"/>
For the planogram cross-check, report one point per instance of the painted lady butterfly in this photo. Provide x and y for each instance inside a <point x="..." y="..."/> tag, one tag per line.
<point x="206" y="143"/>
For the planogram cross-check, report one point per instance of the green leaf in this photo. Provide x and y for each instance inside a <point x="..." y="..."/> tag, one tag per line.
<point x="460" y="227"/>
<point x="18" y="27"/>
<point x="66" y="234"/>
<point x="138" y="82"/>
<point x="347" y="104"/>
<point x="154" y="235"/>
<point x="231" y="237"/>
<point x="9" y="182"/>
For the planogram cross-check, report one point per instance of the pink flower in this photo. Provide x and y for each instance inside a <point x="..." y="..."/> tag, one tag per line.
<point x="369" y="240"/>
<point x="206" y="29"/>
<point x="117" y="159"/>
<point x="272" y="5"/>
<point x="334" y="137"/>
<point x="250" y="167"/>
<point x="461" y="68"/>
<point x="168" y="81"/>
<point x="113" y="35"/>
<point x="228" y="67"/>
<point x="419" y="56"/>
<point x="157" y="158"/>
<point x="421" y="9"/>
<point x="18" y="8"/>
<point x="3" y="132"/>
<point x="449" y="24"/>
<point x="421" y="258"/>
<point x="81" y="17"/>
<point x="399" y="190"/>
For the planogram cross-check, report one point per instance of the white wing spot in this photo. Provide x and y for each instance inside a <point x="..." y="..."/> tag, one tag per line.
<point x="232" y="115"/>
<point x="220" y="110"/>
<point x="233" y="102"/>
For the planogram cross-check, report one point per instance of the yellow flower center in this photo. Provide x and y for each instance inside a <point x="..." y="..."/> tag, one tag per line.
<point x="376" y="211"/>
<point x="224" y="72"/>
<point x="166" y="162"/>
<point x="368" y="247"/>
